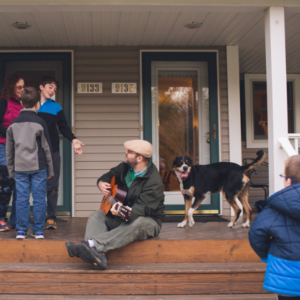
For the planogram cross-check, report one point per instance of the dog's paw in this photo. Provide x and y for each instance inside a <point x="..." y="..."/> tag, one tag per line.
<point x="182" y="224"/>
<point x="230" y="225"/>
<point x="191" y="222"/>
<point x="246" y="224"/>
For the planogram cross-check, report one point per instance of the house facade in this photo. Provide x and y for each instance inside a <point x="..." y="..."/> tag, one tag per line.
<point x="192" y="78"/>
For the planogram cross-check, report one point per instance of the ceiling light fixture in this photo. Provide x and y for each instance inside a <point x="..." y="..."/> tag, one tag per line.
<point x="21" y="25"/>
<point x="193" y="25"/>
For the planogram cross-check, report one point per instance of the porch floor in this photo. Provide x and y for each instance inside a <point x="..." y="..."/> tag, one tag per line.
<point x="74" y="229"/>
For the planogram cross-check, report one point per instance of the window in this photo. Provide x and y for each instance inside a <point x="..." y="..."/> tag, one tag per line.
<point x="257" y="111"/>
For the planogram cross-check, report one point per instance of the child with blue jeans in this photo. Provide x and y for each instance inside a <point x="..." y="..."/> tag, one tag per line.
<point x="29" y="161"/>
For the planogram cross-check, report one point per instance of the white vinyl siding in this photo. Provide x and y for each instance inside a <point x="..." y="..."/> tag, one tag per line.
<point x="103" y="122"/>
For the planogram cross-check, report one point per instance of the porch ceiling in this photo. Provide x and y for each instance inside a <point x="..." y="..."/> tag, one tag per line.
<point x="156" y="27"/>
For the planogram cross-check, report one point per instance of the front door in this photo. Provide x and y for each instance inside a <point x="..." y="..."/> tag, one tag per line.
<point x="32" y="71"/>
<point x="181" y="122"/>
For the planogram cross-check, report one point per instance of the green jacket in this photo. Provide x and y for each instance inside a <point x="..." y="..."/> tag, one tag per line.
<point x="145" y="195"/>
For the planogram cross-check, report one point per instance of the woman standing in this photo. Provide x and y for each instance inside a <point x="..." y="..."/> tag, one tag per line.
<point x="10" y="106"/>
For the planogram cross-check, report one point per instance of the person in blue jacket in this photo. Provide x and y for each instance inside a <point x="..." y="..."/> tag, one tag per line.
<point x="275" y="235"/>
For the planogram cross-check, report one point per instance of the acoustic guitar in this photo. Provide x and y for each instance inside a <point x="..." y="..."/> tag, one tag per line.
<point x="118" y="193"/>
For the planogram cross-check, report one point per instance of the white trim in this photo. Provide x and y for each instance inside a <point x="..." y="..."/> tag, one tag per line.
<point x="219" y="127"/>
<point x="277" y="93"/>
<point x="72" y="110"/>
<point x="249" y="78"/>
<point x="234" y="110"/>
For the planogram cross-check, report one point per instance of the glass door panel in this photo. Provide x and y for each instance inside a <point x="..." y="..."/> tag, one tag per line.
<point x="180" y="120"/>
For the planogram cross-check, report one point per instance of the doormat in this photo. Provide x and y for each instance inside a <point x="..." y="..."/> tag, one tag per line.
<point x="197" y="218"/>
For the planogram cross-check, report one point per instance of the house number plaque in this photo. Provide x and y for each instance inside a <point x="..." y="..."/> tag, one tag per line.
<point x="89" y="87"/>
<point x="123" y="88"/>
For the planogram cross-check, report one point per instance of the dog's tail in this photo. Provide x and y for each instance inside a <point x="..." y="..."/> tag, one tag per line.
<point x="261" y="155"/>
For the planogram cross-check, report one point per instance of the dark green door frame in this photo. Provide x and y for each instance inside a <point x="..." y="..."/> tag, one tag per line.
<point x="211" y="59"/>
<point x="66" y="58"/>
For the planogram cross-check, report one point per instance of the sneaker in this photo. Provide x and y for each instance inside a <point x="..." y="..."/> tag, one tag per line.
<point x="51" y="224"/>
<point x="21" y="235"/>
<point x="37" y="235"/>
<point x="4" y="226"/>
<point x="90" y="255"/>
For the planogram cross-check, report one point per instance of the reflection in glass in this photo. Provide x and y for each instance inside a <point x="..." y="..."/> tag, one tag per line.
<point x="260" y="111"/>
<point x="178" y="121"/>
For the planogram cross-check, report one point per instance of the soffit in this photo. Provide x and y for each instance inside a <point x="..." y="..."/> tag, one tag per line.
<point x="152" y="28"/>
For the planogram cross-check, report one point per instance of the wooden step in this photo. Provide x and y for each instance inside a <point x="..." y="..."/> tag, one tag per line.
<point x="149" y="251"/>
<point x="145" y="297"/>
<point x="132" y="279"/>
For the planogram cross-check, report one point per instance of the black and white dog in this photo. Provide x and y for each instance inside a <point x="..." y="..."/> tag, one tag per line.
<point x="229" y="178"/>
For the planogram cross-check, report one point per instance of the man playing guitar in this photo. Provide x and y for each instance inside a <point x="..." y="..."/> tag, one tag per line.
<point x="144" y="200"/>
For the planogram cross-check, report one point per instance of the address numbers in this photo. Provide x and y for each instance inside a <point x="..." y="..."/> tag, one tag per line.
<point x="123" y="88"/>
<point x="89" y="87"/>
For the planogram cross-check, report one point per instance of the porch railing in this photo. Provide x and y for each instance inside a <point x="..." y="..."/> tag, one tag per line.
<point x="290" y="144"/>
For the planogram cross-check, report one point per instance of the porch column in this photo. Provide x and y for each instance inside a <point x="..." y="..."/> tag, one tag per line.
<point x="277" y="93"/>
<point x="234" y="110"/>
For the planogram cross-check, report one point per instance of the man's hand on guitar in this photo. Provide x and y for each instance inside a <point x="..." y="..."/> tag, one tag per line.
<point x="114" y="211"/>
<point x="104" y="187"/>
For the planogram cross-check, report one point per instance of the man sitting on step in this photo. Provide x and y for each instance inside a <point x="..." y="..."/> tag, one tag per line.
<point x="145" y="197"/>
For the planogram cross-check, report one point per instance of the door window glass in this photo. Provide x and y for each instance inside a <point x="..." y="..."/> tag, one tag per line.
<point x="177" y="121"/>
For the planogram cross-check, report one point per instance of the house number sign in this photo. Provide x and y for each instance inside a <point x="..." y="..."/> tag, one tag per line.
<point x="123" y="88"/>
<point x="89" y="87"/>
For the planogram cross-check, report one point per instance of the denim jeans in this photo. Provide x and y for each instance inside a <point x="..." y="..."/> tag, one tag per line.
<point x="13" y="216"/>
<point x="37" y="181"/>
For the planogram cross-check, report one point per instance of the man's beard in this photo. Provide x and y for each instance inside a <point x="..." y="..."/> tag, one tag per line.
<point x="131" y="164"/>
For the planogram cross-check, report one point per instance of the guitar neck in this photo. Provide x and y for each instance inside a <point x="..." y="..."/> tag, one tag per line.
<point x="112" y="200"/>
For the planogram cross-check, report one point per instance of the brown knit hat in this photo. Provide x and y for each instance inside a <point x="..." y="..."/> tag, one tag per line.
<point x="141" y="147"/>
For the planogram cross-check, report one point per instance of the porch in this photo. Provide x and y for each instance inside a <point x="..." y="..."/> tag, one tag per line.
<point x="107" y="42"/>
<point x="207" y="259"/>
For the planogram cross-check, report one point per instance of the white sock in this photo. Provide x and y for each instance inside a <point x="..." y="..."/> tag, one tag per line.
<point x="91" y="243"/>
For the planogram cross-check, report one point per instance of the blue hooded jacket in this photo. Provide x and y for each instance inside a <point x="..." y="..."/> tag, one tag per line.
<point x="275" y="237"/>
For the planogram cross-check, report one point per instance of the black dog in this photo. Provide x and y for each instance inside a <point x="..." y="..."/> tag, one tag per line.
<point x="228" y="178"/>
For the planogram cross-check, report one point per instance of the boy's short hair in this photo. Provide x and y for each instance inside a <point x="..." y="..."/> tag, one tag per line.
<point x="48" y="80"/>
<point x="292" y="168"/>
<point x="30" y="97"/>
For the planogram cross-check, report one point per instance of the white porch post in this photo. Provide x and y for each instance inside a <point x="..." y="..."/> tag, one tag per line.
<point x="234" y="110"/>
<point x="277" y="93"/>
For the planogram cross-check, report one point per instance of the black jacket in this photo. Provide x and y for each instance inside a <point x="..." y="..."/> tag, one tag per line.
<point x="145" y="195"/>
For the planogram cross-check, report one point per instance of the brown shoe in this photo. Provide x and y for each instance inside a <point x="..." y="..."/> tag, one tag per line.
<point x="72" y="248"/>
<point x="90" y="255"/>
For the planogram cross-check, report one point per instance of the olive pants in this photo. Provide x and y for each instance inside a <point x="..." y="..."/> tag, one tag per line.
<point x="110" y="232"/>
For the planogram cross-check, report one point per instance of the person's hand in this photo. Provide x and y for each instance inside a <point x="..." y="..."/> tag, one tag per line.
<point x="104" y="187"/>
<point x="77" y="146"/>
<point x="48" y="177"/>
<point x="114" y="211"/>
